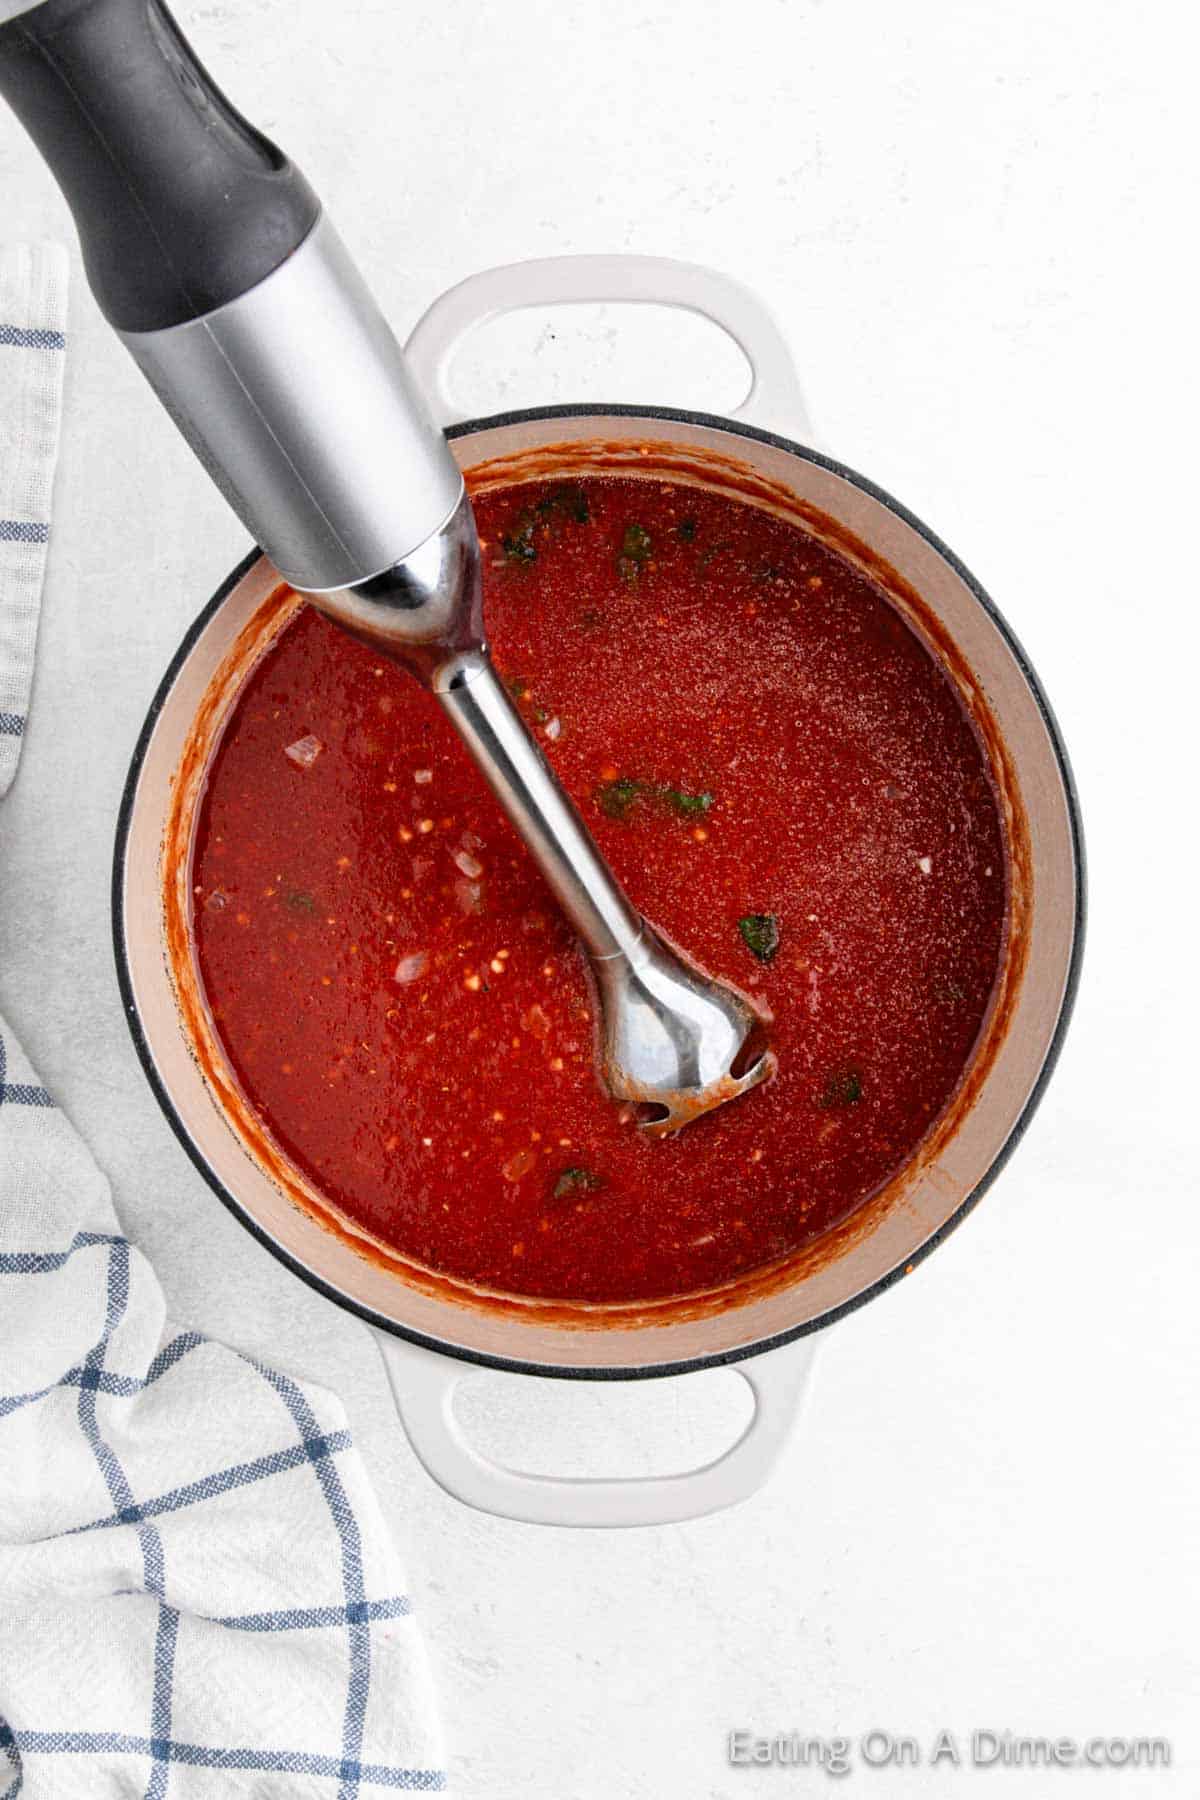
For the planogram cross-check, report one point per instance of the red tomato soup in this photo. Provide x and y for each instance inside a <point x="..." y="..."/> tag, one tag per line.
<point x="784" y="779"/>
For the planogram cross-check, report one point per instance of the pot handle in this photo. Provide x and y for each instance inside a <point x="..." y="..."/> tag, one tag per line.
<point x="424" y="1383"/>
<point x="774" y="397"/>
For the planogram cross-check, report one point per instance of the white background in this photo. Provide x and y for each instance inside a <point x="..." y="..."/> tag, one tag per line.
<point x="973" y="223"/>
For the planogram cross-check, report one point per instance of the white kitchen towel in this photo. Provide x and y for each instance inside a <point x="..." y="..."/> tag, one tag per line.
<point x="33" y="325"/>
<point x="198" y="1593"/>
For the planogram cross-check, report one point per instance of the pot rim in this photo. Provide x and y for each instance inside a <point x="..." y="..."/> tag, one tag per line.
<point x="739" y="1353"/>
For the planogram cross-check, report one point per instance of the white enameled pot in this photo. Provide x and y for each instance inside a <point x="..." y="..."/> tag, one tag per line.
<point x="431" y="1330"/>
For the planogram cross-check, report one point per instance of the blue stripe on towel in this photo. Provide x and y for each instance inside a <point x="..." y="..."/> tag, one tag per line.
<point x="23" y="531"/>
<point x="205" y="1756"/>
<point x="42" y="1262"/>
<point x="108" y="1462"/>
<point x="23" y="1093"/>
<point x="160" y="1714"/>
<point x="31" y="337"/>
<point x="358" y="1630"/>
<point x="317" y="1618"/>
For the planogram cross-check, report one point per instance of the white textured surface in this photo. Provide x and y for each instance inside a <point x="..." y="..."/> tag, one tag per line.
<point x="972" y="222"/>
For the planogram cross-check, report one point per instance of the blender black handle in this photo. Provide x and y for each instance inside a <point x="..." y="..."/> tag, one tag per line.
<point x="210" y="254"/>
<point x="181" y="204"/>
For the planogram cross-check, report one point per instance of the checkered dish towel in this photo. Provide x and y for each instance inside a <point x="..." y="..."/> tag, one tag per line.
<point x="198" y="1595"/>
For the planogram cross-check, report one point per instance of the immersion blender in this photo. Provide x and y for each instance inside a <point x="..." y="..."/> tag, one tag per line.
<point x="210" y="255"/>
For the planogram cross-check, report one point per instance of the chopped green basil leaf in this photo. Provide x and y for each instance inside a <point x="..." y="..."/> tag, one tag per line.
<point x="561" y="504"/>
<point x="843" y="1089"/>
<point x="518" y="545"/>
<point x="686" y="805"/>
<point x="618" y="798"/>
<point x="576" y="1181"/>
<point x="760" y="934"/>
<point x="636" y="548"/>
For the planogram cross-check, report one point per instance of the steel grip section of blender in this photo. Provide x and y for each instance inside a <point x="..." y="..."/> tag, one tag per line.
<point x="208" y="252"/>
<point x="297" y="400"/>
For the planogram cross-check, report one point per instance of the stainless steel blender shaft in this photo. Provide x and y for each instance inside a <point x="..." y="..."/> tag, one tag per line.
<point x="497" y="737"/>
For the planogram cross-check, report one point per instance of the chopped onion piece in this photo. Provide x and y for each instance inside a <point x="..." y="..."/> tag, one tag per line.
<point x="304" y="752"/>
<point x="469" y="895"/>
<point x="468" y="865"/>
<point x="423" y="776"/>
<point x="519" y="1165"/>
<point x="409" y="968"/>
<point x="553" y="728"/>
<point x="536" y="1021"/>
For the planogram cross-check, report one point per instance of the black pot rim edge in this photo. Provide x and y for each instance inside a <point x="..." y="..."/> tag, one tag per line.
<point x="718" y="1359"/>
